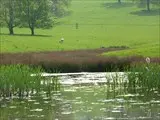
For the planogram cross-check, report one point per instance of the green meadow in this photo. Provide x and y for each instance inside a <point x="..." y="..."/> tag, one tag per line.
<point x="101" y="23"/>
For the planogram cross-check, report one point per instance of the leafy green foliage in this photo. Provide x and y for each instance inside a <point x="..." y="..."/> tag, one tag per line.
<point x="36" y="13"/>
<point x="59" y="7"/>
<point x="31" y="13"/>
<point x="9" y="14"/>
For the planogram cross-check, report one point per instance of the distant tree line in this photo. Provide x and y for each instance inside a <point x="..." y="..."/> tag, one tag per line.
<point x="143" y="3"/>
<point x="147" y="3"/>
<point x="31" y="13"/>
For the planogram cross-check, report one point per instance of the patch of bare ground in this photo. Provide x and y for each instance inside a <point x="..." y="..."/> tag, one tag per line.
<point x="73" y="61"/>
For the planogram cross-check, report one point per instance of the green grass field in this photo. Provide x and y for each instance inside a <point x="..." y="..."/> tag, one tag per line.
<point x="100" y="24"/>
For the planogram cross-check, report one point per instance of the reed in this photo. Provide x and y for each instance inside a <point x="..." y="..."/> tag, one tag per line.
<point x="16" y="80"/>
<point x="144" y="78"/>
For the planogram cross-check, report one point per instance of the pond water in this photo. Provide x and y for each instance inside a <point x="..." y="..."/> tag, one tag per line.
<point x="84" y="96"/>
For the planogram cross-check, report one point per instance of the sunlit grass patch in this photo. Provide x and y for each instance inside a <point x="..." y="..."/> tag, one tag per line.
<point x="152" y="51"/>
<point x="98" y="27"/>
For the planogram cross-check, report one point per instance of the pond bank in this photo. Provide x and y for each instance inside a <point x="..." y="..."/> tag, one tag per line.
<point x="74" y="61"/>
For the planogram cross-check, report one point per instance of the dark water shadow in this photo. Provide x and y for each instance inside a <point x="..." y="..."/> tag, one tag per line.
<point x="154" y="12"/>
<point x="27" y="35"/>
<point x="117" y="5"/>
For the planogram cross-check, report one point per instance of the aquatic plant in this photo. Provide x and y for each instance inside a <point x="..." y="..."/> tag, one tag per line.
<point x="16" y="80"/>
<point x="144" y="78"/>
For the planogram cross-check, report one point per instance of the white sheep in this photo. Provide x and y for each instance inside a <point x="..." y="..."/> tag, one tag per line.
<point x="148" y="60"/>
<point x="61" y="40"/>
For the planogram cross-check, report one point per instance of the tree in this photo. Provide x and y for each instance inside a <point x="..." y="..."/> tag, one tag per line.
<point x="119" y="1"/>
<point x="9" y="13"/>
<point x="147" y="3"/>
<point x="59" y="7"/>
<point x="36" y="14"/>
<point x="31" y="13"/>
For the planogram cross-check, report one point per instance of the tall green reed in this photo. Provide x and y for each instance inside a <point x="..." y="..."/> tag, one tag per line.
<point x="16" y="80"/>
<point x="144" y="78"/>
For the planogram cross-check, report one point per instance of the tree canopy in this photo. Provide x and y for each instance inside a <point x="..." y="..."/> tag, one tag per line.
<point x="31" y="13"/>
<point x="59" y="7"/>
<point x="36" y="14"/>
<point x="9" y="14"/>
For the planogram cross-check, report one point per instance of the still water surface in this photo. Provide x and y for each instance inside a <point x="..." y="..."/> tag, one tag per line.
<point x="84" y="96"/>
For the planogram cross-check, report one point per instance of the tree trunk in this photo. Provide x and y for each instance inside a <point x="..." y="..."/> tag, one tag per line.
<point x="32" y="30"/>
<point x="11" y="32"/>
<point x="148" y="5"/>
<point x="11" y="17"/>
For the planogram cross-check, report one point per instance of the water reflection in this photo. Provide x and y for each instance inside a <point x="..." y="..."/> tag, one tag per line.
<point x="84" y="101"/>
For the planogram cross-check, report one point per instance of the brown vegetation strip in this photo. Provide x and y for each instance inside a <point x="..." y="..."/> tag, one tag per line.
<point x="76" y="56"/>
<point x="66" y="59"/>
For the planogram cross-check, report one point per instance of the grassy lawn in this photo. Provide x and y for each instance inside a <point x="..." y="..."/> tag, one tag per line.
<point x="100" y="23"/>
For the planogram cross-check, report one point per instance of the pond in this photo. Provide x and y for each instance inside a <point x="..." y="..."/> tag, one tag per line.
<point x="84" y="96"/>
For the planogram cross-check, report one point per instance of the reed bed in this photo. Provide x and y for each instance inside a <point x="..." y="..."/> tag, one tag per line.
<point x="16" y="80"/>
<point x="144" y="78"/>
